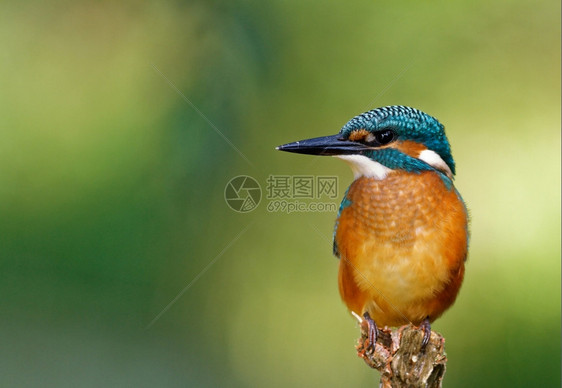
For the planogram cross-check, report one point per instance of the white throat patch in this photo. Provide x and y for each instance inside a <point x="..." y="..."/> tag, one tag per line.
<point x="364" y="166"/>
<point x="434" y="160"/>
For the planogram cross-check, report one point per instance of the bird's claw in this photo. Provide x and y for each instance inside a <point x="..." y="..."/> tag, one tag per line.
<point x="372" y="332"/>
<point x="426" y="327"/>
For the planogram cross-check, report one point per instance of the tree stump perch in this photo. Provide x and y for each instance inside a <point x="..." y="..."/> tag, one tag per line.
<point x="399" y="357"/>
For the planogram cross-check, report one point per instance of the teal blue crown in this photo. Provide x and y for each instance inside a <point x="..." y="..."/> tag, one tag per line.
<point x="408" y="124"/>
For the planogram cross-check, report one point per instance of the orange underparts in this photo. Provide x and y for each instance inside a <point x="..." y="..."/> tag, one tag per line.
<point x="402" y="244"/>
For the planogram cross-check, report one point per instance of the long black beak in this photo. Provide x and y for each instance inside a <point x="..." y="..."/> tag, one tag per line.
<point x="326" y="145"/>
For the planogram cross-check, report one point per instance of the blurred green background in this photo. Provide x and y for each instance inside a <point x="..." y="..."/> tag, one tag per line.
<point x="112" y="185"/>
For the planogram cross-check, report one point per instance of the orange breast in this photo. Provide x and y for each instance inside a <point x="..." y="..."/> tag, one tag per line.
<point x="402" y="243"/>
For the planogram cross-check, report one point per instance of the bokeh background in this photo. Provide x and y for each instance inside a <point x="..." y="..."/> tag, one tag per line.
<point x="113" y="164"/>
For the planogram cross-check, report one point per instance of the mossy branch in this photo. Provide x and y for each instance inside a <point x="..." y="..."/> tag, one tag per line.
<point x="399" y="356"/>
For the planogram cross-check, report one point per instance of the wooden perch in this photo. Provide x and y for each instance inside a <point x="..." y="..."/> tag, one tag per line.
<point x="399" y="356"/>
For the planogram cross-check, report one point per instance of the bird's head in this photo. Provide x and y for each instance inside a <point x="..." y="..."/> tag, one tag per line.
<point x="383" y="140"/>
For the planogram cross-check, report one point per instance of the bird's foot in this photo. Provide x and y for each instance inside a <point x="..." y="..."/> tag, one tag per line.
<point x="372" y="330"/>
<point x="426" y="327"/>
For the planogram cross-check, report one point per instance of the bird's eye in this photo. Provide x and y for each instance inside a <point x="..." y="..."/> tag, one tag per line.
<point x="382" y="137"/>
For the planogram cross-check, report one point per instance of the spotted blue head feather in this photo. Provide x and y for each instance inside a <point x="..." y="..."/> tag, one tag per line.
<point x="408" y="124"/>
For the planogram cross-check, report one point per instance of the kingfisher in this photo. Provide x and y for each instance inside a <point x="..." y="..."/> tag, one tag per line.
<point x="401" y="232"/>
